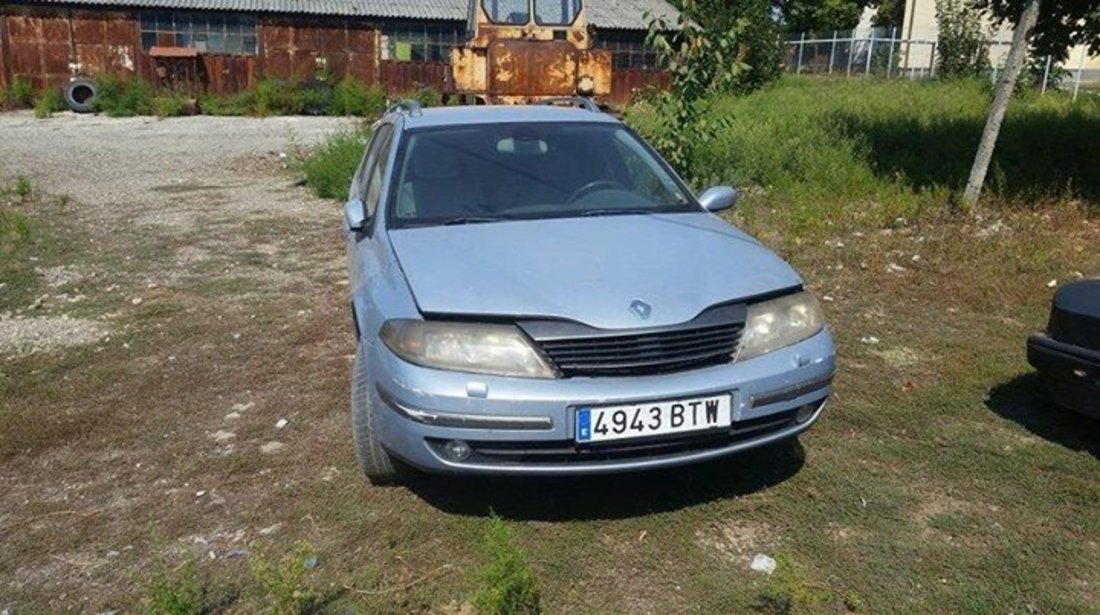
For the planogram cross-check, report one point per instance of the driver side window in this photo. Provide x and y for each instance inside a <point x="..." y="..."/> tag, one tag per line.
<point x="374" y="169"/>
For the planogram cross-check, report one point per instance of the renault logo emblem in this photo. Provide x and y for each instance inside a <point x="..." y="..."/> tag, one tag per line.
<point x="640" y="308"/>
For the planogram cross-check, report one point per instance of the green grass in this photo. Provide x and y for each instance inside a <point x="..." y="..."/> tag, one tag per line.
<point x="818" y="150"/>
<point x="329" y="168"/>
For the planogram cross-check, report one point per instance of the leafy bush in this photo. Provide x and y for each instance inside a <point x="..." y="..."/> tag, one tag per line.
<point x="276" y="97"/>
<point x="20" y="95"/>
<point x="426" y="96"/>
<point x="50" y="100"/>
<point x="353" y="97"/>
<point x="702" y="61"/>
<point x="171" y="104"/>
<point x="507" y="585"/>
<point x="237" y="104"/>
<point x="120" y="97"/>
<point x="330" y="167"/>
<point x="963" y="49"/>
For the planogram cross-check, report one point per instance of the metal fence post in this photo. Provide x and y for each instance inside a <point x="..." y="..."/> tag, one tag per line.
<point x="832" y="53"/>
<point x="851" y="49"/>
<point x="1080" y="71"/>
<point x="1046" y="76"/>
<point x="890" y="55"/>
<point x="801" y="45"/>
<point x="870" y="52"/>
<point x="932" y="60"/>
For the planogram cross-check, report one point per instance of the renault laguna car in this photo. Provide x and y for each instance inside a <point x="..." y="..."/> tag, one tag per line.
<point x="535" y="291"/>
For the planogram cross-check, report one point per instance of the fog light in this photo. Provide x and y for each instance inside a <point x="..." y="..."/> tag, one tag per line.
<point x="804" y="413"/>
<point x="456" y="450"/>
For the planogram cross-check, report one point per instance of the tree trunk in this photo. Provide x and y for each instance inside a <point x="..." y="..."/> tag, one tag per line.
<point x="1013" y="66"/>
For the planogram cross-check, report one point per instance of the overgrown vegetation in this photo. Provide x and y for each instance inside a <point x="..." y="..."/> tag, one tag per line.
<point x="175" y="591"/>
<point x="119" y="97"/>
<point x="702" y="61"/>
<point x="348" y="97"/>
<point x="282" y="583"/>
<point x="19" y="95"/>
<point x="813" y="152"/>
<point x="963" y="49"/>
<point x="329" y="168"/>
<point x="49" y="101"/>
<point x="506" y="584"/>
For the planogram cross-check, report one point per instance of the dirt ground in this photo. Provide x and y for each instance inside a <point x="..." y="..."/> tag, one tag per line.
<point x="179" y="298"/>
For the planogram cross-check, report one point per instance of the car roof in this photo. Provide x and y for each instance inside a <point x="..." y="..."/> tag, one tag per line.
<point x="497" y="114"/>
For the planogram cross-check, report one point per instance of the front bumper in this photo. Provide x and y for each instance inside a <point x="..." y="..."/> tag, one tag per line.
<point x="526" y="426"/>
<point x="1071" y="373"/>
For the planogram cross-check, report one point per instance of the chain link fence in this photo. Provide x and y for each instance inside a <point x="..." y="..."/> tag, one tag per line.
<point x="881" y="52"/>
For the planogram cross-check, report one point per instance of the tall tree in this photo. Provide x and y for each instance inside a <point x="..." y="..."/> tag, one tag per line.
<point x="759" y="43"/>
<point x="821" y="15"/>
<point x="1061" y="24"/>
<point x="1013" y="65"/>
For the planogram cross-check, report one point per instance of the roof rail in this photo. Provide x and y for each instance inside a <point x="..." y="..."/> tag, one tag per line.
<point x="408" y="106"/>
<point x="584" y="102"/>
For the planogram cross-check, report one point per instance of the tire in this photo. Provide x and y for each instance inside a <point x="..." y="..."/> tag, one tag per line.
<point x="80" y="94"/>
<point x="380" y="467"/>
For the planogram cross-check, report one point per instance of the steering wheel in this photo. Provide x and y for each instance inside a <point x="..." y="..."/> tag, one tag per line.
<point x="593" y="186"/>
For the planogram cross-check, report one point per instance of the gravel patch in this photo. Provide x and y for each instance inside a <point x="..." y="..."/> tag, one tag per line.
<point x="23" y="336"/>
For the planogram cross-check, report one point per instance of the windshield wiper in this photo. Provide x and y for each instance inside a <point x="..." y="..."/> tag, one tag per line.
<point x="616" y="212"/>
<point x="473" y="220"/>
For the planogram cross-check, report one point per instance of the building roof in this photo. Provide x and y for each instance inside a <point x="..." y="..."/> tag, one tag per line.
<point x="607" y="14"/>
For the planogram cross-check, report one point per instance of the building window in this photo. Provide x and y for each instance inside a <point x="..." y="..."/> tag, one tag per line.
<point x="218" y="33"/>
<point x="421" y="42"/>
<point x="628" y="50"/>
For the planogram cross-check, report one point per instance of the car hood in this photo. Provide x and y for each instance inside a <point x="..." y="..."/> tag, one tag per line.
<point x="588" y="270"/>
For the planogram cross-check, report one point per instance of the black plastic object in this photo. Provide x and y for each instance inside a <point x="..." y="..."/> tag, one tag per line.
<point x="80" y="94"/>
<point x="1075" y="314"/>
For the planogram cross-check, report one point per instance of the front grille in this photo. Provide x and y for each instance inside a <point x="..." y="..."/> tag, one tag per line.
<point x="567" y="452"/>
<point x="578" y="350"/>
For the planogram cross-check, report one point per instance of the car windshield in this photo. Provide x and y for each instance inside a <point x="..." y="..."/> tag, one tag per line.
<point x="492" y="172"/>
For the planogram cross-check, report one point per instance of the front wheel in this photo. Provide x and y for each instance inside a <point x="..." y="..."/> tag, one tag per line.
<point x="380" y="467"/>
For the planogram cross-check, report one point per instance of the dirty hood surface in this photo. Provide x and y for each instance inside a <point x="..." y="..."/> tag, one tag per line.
<point x="587" y="270"/>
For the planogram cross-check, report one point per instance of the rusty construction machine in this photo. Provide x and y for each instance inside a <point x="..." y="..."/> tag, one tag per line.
<point x="522" y="51"/>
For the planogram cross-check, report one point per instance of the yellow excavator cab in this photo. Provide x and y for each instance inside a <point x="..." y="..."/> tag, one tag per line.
<point x="519" y="51"/>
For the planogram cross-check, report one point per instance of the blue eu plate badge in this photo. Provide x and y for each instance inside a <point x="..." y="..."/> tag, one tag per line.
<point x="584" y="424"/>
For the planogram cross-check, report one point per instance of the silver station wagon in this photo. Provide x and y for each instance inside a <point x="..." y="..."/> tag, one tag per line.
<point x="535" y="291"/>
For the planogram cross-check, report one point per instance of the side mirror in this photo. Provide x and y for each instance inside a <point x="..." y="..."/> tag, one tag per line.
<point x="718" y="198"/>
<point x="355" y="215"/>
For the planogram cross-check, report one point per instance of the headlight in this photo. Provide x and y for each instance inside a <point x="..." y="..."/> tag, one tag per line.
<point x="485" y="349"/>
<point x="771" y="325"/>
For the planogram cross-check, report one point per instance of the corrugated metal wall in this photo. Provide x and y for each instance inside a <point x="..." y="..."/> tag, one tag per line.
<point x="48" y="45"/>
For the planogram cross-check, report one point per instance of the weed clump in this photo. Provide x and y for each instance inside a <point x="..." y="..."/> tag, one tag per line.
<point x="330" y="168"/>
<point x="507" y="585"/>
<point x="120" y="97"/>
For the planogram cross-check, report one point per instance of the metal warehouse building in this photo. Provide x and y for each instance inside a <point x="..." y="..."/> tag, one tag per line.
<point x="228" y="45"/>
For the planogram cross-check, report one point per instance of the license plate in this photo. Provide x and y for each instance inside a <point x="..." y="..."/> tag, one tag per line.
<point x="604" y="423"/>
